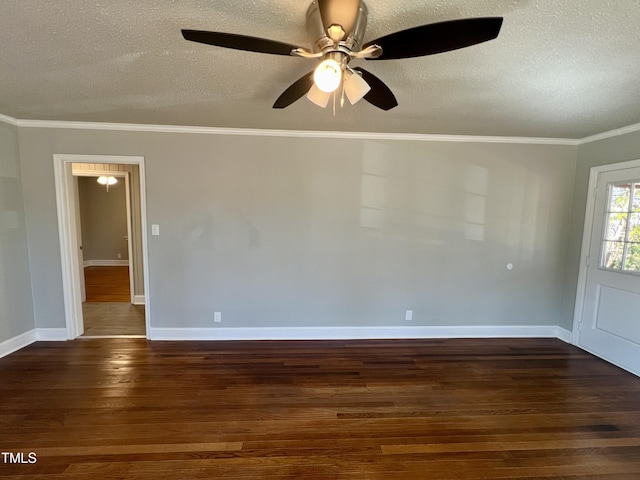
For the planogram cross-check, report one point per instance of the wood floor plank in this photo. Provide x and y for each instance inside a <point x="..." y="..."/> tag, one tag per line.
<point x="380" y="409"/>
<point x="114" y="318"/>
<point x="108" y="310"/>
<point x="107" y="284"/>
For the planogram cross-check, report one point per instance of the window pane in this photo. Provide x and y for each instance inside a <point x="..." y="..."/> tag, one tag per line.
<point x="616" y="226"/>
<point x="619" y="197"/>
<point x="632" y="263"/>
<point x="634" y="228"/>
<point x="636" y="197"/>
<point x="612" y="255"/>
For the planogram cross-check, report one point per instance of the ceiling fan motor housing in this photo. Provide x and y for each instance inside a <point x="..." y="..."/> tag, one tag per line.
<point x="351" y="16"/>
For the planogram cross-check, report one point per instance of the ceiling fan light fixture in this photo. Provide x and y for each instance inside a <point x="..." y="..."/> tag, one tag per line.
<point x="336" y="29"/>
<point x="328" y="75"/>
<point x="317" y="96"/>
<point x="355" y="87"/>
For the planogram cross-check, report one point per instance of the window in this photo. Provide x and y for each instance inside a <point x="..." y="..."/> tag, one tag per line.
<point x="621" y="244"/>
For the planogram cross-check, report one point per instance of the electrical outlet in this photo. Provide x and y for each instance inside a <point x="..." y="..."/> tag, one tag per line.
<point x="408" y="315"/>
<point x="217" y="317"/>
<point x="119" y="255"/>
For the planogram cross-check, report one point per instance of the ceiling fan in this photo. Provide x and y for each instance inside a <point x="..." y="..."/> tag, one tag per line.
<point x="337" y="29"/>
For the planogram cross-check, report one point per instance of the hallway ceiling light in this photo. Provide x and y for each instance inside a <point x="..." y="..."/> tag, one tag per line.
<point x="102" y="180"/>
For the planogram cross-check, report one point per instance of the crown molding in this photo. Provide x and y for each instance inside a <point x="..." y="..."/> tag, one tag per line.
<point x="611" y="133"/>
<point x="9" y="120"/>
<point x="130" y="127"/>
<point x="257" y="132"/>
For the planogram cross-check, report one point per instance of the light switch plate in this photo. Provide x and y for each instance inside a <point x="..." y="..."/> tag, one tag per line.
<point x="155" y="229"/>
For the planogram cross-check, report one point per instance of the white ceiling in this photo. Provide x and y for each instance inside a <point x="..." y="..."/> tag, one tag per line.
<point x="560" y="68"/>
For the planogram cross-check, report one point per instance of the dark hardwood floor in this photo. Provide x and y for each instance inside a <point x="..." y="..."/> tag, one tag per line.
<point x="108" y="310"/>
<point x="107" y="284"/>
<point x="392" y="410"/>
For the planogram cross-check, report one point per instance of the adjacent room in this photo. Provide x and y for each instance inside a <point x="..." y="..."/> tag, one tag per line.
<point x="312" y="240"/>
<point x="108" y="224"/>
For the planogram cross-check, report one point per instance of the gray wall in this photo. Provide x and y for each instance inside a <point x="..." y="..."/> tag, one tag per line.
<point x="320" y="232"/>
<point x="104" y="219"/>
<point x="16" y="306"/>
<point x="616" y="149"/>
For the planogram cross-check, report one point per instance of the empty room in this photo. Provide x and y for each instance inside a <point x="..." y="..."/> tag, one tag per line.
<point x="319" y="240"/>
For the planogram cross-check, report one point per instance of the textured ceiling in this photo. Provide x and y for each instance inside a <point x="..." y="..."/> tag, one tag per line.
<point x="559" y="68"/>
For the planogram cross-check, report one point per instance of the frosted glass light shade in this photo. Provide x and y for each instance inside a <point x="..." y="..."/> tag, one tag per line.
<point x="318" y="97"/>
<point x="102" y="180"/>
<point x="328" y="75"/>
<point x="355" y="87"/>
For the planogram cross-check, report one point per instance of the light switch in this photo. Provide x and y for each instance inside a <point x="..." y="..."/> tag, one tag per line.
<point x="155" y="229"/>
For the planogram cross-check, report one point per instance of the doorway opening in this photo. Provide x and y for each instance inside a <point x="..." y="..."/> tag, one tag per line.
<point x="103" y="245"/>
<point x="108" y="220"/>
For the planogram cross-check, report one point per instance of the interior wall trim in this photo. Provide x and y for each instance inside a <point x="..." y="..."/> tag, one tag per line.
<point x="51" y="334"/>
<point x="63" y="179"/>
<point x="306" y="333"/>
<point x="293" y="133"/>
<point x="360" y="333"/>
<point x="611" y="133"/>
<point x="105" y="263"/>
<point x="27" y="338"/>
<point x="138" y="300"/>
<point x="16" y="343"/>
<point x="9" y="120"/>
<point x="316" y="134"/>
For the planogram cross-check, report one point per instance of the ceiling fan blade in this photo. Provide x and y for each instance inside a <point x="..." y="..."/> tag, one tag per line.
<point x="296" y="91"/>
<point x="238" y="42"/>
<point x="380" y="95"/>
<point x="437" y="38"/>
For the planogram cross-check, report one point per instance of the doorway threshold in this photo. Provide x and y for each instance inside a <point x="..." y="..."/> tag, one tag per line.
<point x="93" y="337"/>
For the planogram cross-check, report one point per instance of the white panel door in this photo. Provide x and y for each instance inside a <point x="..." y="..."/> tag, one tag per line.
<point x="610" y="326"/>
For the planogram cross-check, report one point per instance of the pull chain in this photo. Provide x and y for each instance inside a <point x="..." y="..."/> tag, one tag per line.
<point x="334" y="103"/>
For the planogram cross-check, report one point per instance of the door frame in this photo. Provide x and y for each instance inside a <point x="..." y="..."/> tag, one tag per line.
<point x="594" y="175"/>
<point x="126" y="176"/>
<point x="67" y="230"/>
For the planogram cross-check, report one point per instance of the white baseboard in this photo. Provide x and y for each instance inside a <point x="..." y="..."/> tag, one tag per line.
<point x="51" y="334"/>
<point x="16" y="343"/>
<point x="563" y="334"/>
<point x="105" y="263"/>
<point x="34" y="335"/>
<point x="138" y="299"/>
<point x="357" y="333"/>
<point x="307" y="333"/>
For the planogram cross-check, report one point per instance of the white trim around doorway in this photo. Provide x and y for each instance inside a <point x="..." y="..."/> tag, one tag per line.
<point x="68" y="240"/>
